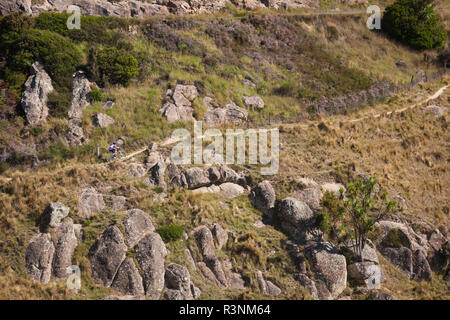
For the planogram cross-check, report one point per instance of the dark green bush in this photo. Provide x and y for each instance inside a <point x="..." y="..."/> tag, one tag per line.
<point x="116" y="66"/>
<point x="15" y="22"/>
<point x="170" y="233"/>
<point x="414" y="22"/>
<point x="59" y="55"/>
<point x="95" y="95"/>
<point x="3" y="167"/>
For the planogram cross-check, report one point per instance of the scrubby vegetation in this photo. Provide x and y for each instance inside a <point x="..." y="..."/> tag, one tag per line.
<point x="415" y="23"/>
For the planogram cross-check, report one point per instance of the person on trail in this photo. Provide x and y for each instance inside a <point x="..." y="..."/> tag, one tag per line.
<point x="114" y="149"/>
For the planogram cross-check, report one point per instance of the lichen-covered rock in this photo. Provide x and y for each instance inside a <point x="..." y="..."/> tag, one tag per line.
<point x="265" y="286"/>
<point x="311" y="196"/>
<point x="328" y="266"/>
<point x="106" y="255"/>
<point x="35" y="95"/>
<point x="220" y="235"/>
<point x="10" y="6"/>
<point x="136" y="170"/>
<point x="179" y="105"/>
<point x="39" y="257"/>
<point x="128" y="280"/>
<point x="176" y="177"/>
<point x="137" y="226"/>
<point x="102" y="120"/>
<point x="157" y="173"/>
<point x="298" y="220"/>
<point x="178" y="279"/>
<point x="150" y="254"/>
<point x="197" y="177"/>
<point x="308" y="284"/>
<point x="253" y="102"/>
<point x="54" y="213"/>
<point x="116" y="203"/>
<point x="263" y="196"/>
<point x="365" y="273"/>
<point x="66" y="243"/>
<point x="91" y="202"/>
<point x="205" y="242"/>
<point x="231" y="190"/>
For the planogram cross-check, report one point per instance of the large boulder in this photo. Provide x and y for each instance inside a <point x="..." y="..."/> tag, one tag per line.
<point x="66" y="243"/>
<point x="157" y="173"/>
<point x="220" y="235"/>
<point x="179" y="103"/>
<point x="418" y="77"/>
<point x="35" y="95"/>
<point x="365" y="273"/>
<point x="137" y="226"/>
<point x="205" y="242"/>
<point x="80" y="95"/>
<point x="266" y="286"/>
<point x="263" y="196"/>
<point x="91" y="202"/>
<point x="328" y="266"/>
<point x="128" y="280"/>
<point x="298" y="220"/>
<point x="102" y="120"/>
<point x="311" y="196"/>
<point x="39" y="257"/>
<point x="179" y="284"/>
<point x="197" y="177"/>
<point x="176" y="177"/>
<point x="231" y="190"/>
<point x="231" y="113"/>
<point x="150" y="254"/>
<point x="54" y="213"/>
<point x="106" y="255"/>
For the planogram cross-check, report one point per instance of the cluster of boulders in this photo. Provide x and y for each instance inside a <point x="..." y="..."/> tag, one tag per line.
<point x="48" y="255"/>
<point x="113" y="265"/>
<point x="178" y="106"/>
<point x="219" y="272"/>
<point x="142" y="9"/>
<point x="329" y="270"/>
<point x="163" y="173"/>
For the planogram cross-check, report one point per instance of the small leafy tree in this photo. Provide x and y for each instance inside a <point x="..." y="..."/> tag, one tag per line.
<point x="355" y="212"/>
<point x="414" y="23"/>
<point x="116" y="66"/>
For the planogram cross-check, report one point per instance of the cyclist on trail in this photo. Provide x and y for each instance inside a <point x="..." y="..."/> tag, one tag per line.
<point x="114" y="149"/>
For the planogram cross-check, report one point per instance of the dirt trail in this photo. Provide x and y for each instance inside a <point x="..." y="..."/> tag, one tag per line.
<point x="170" y="140"/>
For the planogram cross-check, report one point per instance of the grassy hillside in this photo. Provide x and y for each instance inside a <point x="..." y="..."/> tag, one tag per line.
<point x="294" y="60"/>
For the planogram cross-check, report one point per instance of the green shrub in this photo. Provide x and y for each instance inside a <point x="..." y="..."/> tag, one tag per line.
<point x="116" y="66"/>
<point x="16" y="22"/>
<point x="170" y="233"/>
<point x="95" y="95"/>
<point x="59" y="55"/>
<point x="35" y="131"/>
<point x="414" y="22"/>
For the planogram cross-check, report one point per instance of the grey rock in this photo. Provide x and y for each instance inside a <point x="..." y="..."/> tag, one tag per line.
<point x="150" y="253"/>
<point x="205" y="242"/>
<point x="328" y="266"/>
<point x="90" y="202"/>
<point x="311" y="196"/>
<point x="116" y="203"/>
<point x="298" y="220"/>
<point x="421" y="267"/>
<point x="227" y="174"/>
<point x="365" y="273"/>
<point x="207" y="273"/>
<point x="102" y="120"/>
<point x="54" y="213"/>
<point x="368" y="253"/>
<point x="106" y="255"/>
<point x="35" y="95"/>
<point x="39" y="258"/>
<point x="308" y="284"/>
<point x="157" y="173"/>
<point x="179" y="279"/>
<point x="253" y="102"/>
<point x="436" y="110"/>
<point x="127" y="297"/>
<point x="379" y="295"/>
<point x="66" y="243"/>
<point x="402" y="258"/>
<point x="197" y="177"/>
<point x="136" y="170"/>
<point x="231" y="190"/>
<point x="179" y="106"/>
<point x="128" y="280"/>
<point x="418" y="77"/>
<point x="220" y="235"/>
<point x="137" y="226"/>
<point x="263" y="196"/>
<point x="10" y="6"/>
<point x="265" y="286"/>
<point x="80" y="95"/>
<point x="176" y="177"/>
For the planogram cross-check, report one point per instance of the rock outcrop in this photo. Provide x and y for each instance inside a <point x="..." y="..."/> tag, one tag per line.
<point x="91" y="202"/>
<point x="231" y="113"/>
<point x="128" y="280"/>
<point x="137" y="226"/>
<point x="66" y="243"/>
<point x="54" y="213"/>
<point x="178" y="106"/>
<point x="253" y="102"/>
<point x="35" y="94"/>
<point x="329" y="268"/>
<point x="39" y="258"/>
<point x="106" y="255"/>
<point x="266" y="286"/>
<point x="263" y="197"/>
<point x="298" y="220"/>
<point x="102" y="120"/>
<point x="9" y="6"/>
<point x="179" y="285"/>
<point x="150" y="254"/>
